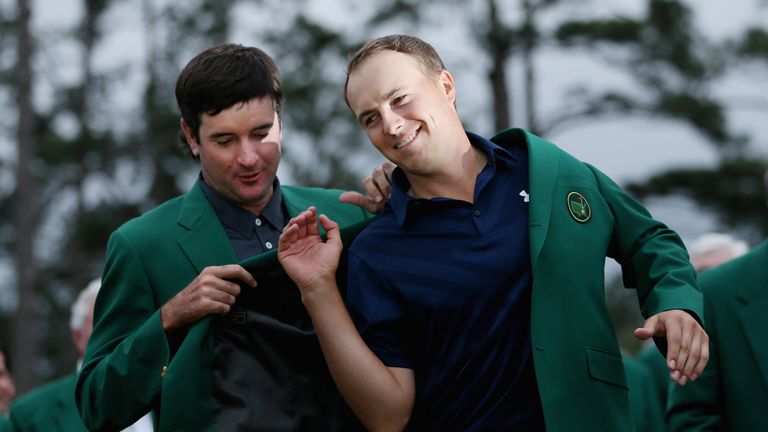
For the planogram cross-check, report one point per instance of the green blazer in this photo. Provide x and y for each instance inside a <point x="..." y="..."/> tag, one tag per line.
<point x="50" y="408"/>
<point x="732" y="393"/>
<point x="576" y="357"/>
<point x="128" y="368"/>
<point x="660" y="381"/>
<point x="644" y="403"/>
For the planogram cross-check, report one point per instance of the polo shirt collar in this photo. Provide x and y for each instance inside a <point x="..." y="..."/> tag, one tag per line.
<point x="240" y="219"/>
<point x="401" y="202"/>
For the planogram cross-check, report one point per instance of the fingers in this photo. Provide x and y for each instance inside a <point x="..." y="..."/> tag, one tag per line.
<point x="368" y="203"/>
<point x="674" y="336"/>
<point x="355" y="198"/>
<point x="219" y="287"/>
<point x="698" y="349"/>
<point x="288" y="237"/>
<point x="312" y="224"/>
<point x="221" y="300"/>
<point x="300" y="222"/>
<point x="648" y="329"/>
<point x="687" y="353"/>
<point x="703" y="358"/>
<point x="308" y="224"/>
<point x="642" y="333"/>
<point x="388" y="167"/>
<point x="381" y="182"/>
<point x="688" y="368"/>
<point x="230" y="272"/>
<point x="212" y="292"/>
<point x="220" y="278"/>
<point x="377" y="187"/>
<point x="331" y="228"/>
<point x="687" y="344"/>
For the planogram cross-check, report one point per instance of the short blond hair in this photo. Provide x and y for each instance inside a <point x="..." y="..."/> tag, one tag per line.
<point x="83" y="304"/>
<point x="425" y="54"/>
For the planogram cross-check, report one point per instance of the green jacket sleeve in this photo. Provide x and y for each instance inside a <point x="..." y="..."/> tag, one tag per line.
<point x="653" y="258"/>
<point x="121" y="375"/>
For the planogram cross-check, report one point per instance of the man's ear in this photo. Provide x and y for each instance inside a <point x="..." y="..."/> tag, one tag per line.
<point x="80" y="342"/>
<point x="190" y="136"/>
<point x="446" y="83"/>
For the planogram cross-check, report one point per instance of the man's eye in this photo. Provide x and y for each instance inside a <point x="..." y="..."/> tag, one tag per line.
<point x="370" y="119"/>
<point x="398" y="100"/>
<point x="222" y="141"/>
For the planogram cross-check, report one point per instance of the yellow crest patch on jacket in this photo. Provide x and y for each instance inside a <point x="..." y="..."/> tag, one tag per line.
<point x="579" y="207"/>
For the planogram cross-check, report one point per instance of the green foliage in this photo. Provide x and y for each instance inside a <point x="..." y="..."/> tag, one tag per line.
<point x="754" y="44"/>
<point x="702" y="112"/>
<point x="392" y="10"/>
<point x="735" y="190"/>
<point x="586" y="33"/>
<point x="666" y="55"/>
<point x="200" y="25"/>
<point x="316" y="114"/>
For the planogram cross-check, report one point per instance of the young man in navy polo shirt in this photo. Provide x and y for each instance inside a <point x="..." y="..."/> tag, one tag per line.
<point x="478" y="292"/>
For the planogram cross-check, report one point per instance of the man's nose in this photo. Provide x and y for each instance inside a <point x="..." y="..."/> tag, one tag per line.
<point x="392" y="123"/>
<point x="248" y="154"/>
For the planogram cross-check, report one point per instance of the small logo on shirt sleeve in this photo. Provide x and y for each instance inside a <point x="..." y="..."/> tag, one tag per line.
<point x="525" y="195"/>
<point x="579" y="207"/>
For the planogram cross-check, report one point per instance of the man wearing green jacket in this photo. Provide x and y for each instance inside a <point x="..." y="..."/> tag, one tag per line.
<point x="478" y="293"/>
<point x="732" y="393"/>
<point x="51" y="407"/>
<point x="195" y="319"/>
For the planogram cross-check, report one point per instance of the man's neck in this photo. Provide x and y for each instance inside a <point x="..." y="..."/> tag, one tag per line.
<point x="456" y="180"/>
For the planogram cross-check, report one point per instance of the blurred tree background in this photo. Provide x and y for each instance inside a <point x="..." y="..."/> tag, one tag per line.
<point x="89" y="131"/>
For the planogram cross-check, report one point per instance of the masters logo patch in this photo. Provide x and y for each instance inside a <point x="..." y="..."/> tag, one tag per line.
<point x="579" y="207"/>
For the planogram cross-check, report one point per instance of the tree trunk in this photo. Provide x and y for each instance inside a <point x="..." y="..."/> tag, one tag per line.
<point x="499" y="53"/>
<point x="529" y="45"/>
<point x="25" y="326"/>
<point x="89" y="34"/>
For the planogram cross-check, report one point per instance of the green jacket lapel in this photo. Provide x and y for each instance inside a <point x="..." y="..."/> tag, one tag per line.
<point x="754" y="312"/>
<point x="296" y="202"/>
<point x="206" y="243"/>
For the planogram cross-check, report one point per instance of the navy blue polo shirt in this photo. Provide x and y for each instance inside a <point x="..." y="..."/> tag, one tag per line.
<point x="443" y="287"/>
<point x="250" y="234"/>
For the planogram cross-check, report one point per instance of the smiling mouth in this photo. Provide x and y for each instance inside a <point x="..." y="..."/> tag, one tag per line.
<point x="408" y="139"/>
<point x="249" y="177"/>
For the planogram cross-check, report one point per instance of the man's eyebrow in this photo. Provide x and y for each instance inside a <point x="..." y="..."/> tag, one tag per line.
<point x="214" y="135"/>
<point x="386" y="97"/>
<point x="363" y="114"/>
<point x="268" y="125"/>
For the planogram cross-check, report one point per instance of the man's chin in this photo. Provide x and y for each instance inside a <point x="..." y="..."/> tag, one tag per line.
<point x="254" y="197"/>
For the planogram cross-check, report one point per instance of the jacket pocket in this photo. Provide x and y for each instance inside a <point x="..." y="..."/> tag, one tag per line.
<point x="605" y="366"/>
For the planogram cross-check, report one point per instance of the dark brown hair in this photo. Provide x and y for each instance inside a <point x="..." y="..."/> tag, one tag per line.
<point x="222" y="76"/>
